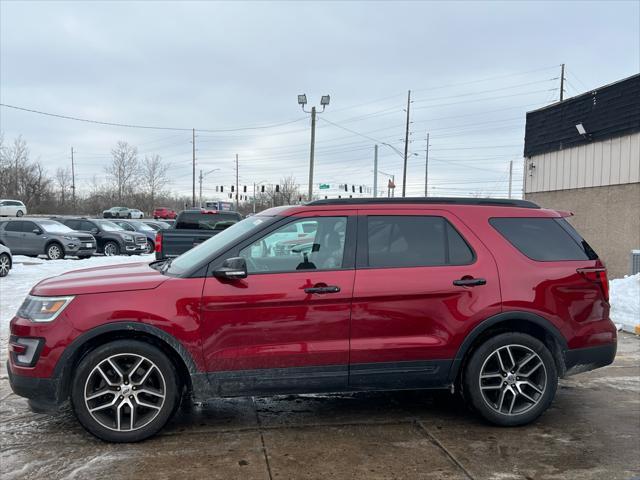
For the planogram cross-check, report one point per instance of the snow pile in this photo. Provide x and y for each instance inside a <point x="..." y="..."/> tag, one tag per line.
<point x="26" y="272"/>
<point x="624" y="295"/>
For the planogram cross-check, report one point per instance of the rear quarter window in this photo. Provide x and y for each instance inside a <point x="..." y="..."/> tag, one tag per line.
<point x="544" y="239"/>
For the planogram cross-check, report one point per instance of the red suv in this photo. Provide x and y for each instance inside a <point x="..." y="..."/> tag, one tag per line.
<point x="492" y="298"/>
<point x="164" y="213"/>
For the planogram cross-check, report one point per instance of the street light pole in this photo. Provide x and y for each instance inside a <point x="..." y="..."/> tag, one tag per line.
<point x="375" y="171"/>
<point x="406" y="148"/>
<point x="302" y="101"/>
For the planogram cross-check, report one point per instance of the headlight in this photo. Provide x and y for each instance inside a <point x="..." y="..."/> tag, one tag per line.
<point x="43" y="309"/>
<point x="128" y="238"/>
<point x="73" y="239"/>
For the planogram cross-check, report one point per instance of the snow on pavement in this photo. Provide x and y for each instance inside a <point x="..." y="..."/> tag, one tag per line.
<point x="624" y="294"/>
<point x="27" y="271"/>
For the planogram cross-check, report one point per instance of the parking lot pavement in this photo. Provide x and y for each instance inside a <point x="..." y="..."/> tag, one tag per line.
<point x="592" y="431"/>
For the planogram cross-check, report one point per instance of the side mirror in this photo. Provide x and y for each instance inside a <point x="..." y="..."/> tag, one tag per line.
<point x="232" y="269"/>
<point x="37" y="231"/>
<point x="94" y="231"/>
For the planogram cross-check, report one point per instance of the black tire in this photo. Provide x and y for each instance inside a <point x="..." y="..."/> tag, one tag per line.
<point x="128" y="215"/>
<point x="83" y="257"/>
<point x="151" y="247"/>
<point x="120" y="349"/>
<point x="5" y="264"/>
<point x="111" y="249"/>
<point x="54" y="251"/>
<point x="521" y="346"/>
<point x="19" y="213"/>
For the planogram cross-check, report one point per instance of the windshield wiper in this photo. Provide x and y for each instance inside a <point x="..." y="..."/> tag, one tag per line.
<point x="166" y="265"/>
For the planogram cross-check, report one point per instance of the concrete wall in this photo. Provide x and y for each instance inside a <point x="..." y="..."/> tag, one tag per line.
<point x="607" y="162"/>
<point x="607" y="217"/>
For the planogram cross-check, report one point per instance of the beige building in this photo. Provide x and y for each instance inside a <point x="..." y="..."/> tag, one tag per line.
<point x="583" y="155"/>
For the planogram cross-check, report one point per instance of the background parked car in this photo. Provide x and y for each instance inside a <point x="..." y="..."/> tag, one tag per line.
<point x="6" y="261"/>
<point x="12" y="208"/>
<point x="111" y="239"/>
<point x="135" y="213"/>
<point x="37" y="236"/>
<point x="139" y="227"/>
<point x="117" y="212"/>
<point x="157" y="224"/>
<point x="164" y="212"/>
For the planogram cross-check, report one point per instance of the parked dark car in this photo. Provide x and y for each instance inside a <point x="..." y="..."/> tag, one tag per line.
<point x="140" y="227"/>
<point x="36" y="236"/>
<point x="164" y="213"/>
<point x="496" y="299"/>
<point x="6" y="260"/>
<point x="111" y="238"/>
<point x="157" y="224"/>
<point x="192" y="227"/>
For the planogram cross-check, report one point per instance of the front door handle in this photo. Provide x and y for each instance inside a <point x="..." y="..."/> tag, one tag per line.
<point x="323" y="290"/>
<point x="469" y="282"/>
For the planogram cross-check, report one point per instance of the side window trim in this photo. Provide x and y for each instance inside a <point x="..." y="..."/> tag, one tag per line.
<point x="362" y="259"/>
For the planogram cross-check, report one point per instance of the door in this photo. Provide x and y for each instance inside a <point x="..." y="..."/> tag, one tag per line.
<point x="33" y="242"/>
<point x="284" y="328"/>
<point x="13" y="236"/>
<point x="94" y="230"/>
<point x="422" y="280"/>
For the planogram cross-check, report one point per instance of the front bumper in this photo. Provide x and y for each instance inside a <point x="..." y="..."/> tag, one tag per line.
<point x="580" y="360"/>
<point x="43" y="393"/>
<point x="134" y="248"/>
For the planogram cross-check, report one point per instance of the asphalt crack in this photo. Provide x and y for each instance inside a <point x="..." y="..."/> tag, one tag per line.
<point x="264" y="446"/>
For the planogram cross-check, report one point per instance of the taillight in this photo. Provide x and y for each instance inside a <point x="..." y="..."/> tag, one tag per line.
<point x="597" y="275"/>
<point x="158" y="242"/>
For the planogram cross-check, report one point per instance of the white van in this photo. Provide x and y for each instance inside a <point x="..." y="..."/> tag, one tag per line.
<point x="12" y="208"/>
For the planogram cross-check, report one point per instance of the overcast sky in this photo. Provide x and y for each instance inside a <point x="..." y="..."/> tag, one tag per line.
<point x="474" y="69"/>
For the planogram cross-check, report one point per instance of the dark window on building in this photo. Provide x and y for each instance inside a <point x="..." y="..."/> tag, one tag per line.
<point x="544" y="239"/>
<point x="415" y="241"/>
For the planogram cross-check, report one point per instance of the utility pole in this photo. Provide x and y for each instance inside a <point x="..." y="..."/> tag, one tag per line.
<point x="73" y="182"/>
<point x="237" y="191"/>
<point x="311" y="154"/>
<point x="510" y="175"/>
<point x="426" y="170"/>
<point x="193" y="191"/>
<point x="562" y="82"/>
<point x="375" y="171"/>
<point x="254" y="198"/>
<point x="200" y="196"/>
<point x="406" y="148"/>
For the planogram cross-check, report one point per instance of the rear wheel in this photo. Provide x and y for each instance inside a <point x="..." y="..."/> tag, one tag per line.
<point x="5" y="265"/>
<point x="55" y="251"/>
<point x="19" y="213"/>
<point x="125" y="391"/>
<point x="511" y="379"/>
<point x="111" y="249"/>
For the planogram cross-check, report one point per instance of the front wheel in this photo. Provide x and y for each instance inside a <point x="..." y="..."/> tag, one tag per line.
<point x="111" y="249"/>
<point x="149" y="247"/>
<point x="125" y="391"/>
<point x="55" y="252"/>
<point x="511" y="379"/>
<point x="5" y="265"/>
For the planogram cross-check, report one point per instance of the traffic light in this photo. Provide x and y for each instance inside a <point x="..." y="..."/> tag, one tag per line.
<point x="277" y="188"/>
<point x="233" y="188"/>
<point x="262" y="188"/>
<point x="244" y="189"/>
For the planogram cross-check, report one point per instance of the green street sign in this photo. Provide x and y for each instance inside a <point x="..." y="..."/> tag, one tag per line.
<point x="325" y="186"/>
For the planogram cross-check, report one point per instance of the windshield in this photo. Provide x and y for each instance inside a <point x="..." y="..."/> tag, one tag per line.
<point x="143" y="226"/>
<point x="109" y="226"/>
<point x="193" y="257"/>
<point x="55" y="227"/>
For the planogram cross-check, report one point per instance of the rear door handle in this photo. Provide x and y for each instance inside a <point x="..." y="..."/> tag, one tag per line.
<point x="469" y="282"/>
<point x="323" y="290"/>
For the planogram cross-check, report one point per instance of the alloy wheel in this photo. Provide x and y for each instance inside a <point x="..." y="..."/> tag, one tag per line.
<point x="125" y="392"/>
<point x="513" y="379"/>
<point x="148" y="248"/>
<point x="54" y="252"/>
<point x="5" y="264"/>
<point x="110" y="249"/>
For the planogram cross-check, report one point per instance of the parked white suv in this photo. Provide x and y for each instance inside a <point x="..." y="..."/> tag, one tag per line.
<point x="12" y="208"/>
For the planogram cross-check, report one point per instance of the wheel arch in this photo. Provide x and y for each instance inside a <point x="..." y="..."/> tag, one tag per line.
<point x="56" y="241"/>
<point x="95" y="337"/>
<point x="512" y="321"/>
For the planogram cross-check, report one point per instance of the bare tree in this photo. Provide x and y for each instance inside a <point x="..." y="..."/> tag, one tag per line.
<point x="154" y="177"/>
<point x="124" y="169"/>
<point x="63" y="180"/>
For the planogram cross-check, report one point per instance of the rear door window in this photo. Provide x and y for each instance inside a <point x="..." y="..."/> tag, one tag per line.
<point x="544" y="239"/>
<point x="415" y="241"/>
<point x="14" y="226"/>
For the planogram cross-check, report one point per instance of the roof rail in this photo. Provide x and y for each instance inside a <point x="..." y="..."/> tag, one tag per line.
<point x="493" y="202"/>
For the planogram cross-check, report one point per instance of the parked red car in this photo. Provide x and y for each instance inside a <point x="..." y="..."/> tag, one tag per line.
<point x="492" y="298"/>
<point x="164" y="213"/>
